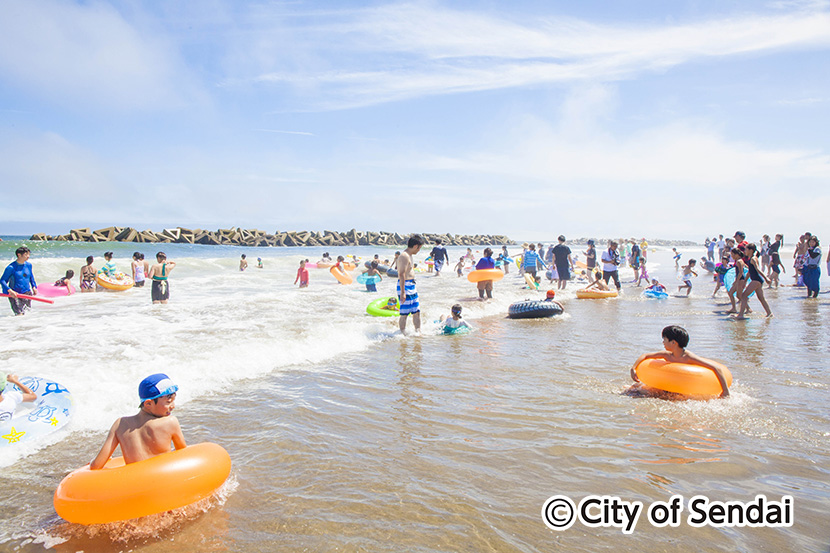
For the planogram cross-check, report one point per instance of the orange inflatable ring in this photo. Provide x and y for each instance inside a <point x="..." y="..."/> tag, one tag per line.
<point x="681" y="378"/>
<point x="118" y="282"/>
<point x="595" y="294"/>
<point x="485" y="274"/>
<point x="342" y="276"/>
<point x="123" y="492"/>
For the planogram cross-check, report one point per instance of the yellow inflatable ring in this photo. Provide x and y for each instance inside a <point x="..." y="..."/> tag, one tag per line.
<point x="595" y="294"/>
<point x="161" y="483"/>
<point x="118" y="281"/>
<point x="681" y="378"/>
<point x="485" y="274"/>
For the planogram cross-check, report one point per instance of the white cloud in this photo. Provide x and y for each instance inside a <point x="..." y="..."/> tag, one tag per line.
<point x="402" y="51"/>
<point x="88" y="55"/>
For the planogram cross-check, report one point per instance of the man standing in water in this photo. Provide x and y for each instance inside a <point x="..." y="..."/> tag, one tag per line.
<point x="439" y="256"/>
<point x="18" y="278"/>
<point x="407" y="294"/>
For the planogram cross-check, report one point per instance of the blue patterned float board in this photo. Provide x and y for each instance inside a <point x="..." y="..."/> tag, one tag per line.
<point x="52" y="410"/>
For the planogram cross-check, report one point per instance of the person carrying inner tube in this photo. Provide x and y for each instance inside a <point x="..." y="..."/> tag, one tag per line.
<point x="485" y="286"/>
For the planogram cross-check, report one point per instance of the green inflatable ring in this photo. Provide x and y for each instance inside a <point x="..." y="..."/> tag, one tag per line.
<point x="376" y="308"/>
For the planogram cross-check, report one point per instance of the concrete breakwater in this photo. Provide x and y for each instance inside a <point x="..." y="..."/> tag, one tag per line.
<point x="253" y="237"/>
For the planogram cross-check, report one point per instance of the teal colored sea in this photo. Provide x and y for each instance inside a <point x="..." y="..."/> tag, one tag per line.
<point x="346" y="436"/>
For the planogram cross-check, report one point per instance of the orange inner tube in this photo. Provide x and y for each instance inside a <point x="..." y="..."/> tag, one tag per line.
<point x="123" y="492"/>
<point x="681" y="378"/>
<point x="341" y="276"/>
<point x="485" y="274"/>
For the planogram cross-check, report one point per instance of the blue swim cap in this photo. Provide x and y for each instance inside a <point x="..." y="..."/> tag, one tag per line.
<point x="155" y="386"/>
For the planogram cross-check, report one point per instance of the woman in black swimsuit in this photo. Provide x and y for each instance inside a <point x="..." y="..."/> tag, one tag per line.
<point x="755" y="284"/>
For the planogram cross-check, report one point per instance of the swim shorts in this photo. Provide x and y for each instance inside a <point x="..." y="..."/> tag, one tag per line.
<point x="160" y="290"/>
<point x="410" y="305"/>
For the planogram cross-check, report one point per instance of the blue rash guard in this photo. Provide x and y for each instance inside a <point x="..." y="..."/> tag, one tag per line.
<point x="19" y="277"/>
<point x="486" y="263"/>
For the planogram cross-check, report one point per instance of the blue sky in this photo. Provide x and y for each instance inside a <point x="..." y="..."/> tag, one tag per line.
<point x="670" y="119"/>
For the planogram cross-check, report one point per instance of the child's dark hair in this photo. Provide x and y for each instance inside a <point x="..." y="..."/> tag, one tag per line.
<point x="341" y="258"/>
<point x="456" y="309"/>
<point x="374" y="264"/>
<point x="677" y="334"/>
<point x="754" y="249"/>
<point x="141" y="405"/>
<point x="415" y="240"/>
<point x="70" y="273"/>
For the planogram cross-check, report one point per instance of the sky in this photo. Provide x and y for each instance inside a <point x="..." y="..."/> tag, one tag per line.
<point x="527" y="118"/>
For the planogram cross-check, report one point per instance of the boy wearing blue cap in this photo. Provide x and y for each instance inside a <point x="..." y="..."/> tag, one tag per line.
<point x="149" y="432"/>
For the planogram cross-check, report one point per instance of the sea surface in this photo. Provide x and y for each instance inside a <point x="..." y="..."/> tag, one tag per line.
<point x="346" y="436"/>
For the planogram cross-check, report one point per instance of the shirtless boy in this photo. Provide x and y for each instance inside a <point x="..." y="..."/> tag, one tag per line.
<point x="675" y="340"/>
<point x="149" y="432"/>
<point x="406" y="284"/>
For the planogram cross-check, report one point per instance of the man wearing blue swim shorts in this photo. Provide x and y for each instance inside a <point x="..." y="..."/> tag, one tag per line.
<point x="407" y="294"/>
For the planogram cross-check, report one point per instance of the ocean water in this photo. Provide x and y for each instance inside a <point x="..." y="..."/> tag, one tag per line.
<point x="346" y="436"/>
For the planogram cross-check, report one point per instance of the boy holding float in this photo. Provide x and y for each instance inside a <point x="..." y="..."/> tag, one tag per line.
<point x="675" y="340"/>
<point x="149" y="432"/>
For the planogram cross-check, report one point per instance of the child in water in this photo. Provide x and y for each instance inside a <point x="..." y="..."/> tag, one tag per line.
<point x="687" y="279"/>
<point x="259" y="263"/>
<point x="302" y="275"/>
<point x="243" y="263"/>
<point x="454" y="321"/>
<point x="675" y="340"/>
<point x="676" y="259"/>
<point x="459" y="266"/>
<point x="149" y="432"/>
<point x="391" y="305"/>
<point x="656" y="286"/>
<point x="371" y="285"/>
<point x="65" y="281"/>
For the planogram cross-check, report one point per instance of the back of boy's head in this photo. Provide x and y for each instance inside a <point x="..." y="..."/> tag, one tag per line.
<point x="341" y="258"/>
<point x="415" y="240"/>
<point x="70" y="273"/>
<point x="677" y="334"/>
<point x="375" y="264"/>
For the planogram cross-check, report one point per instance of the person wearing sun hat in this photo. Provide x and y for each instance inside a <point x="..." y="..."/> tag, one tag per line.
<point x="11" y="398"/>
<point x="149" y="432"/>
